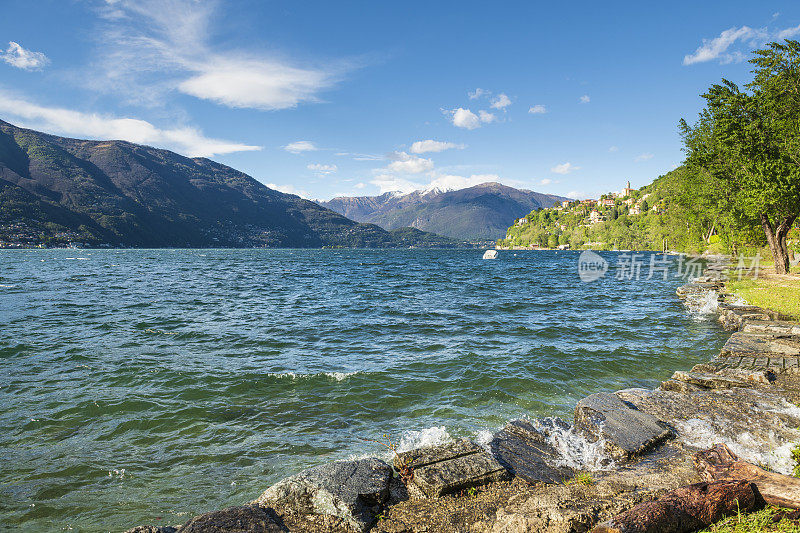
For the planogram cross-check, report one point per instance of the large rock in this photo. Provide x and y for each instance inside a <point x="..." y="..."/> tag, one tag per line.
<point x="451" y="467"/>
<point x="627" y="431"/>
<point x="524" y="451"/>
<point x="753" y="344"/>
<point x="244" y="519"/>
<point x="351" y="490"/>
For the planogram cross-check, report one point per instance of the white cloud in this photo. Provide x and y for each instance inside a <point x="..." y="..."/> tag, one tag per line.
<point x="613" y="149"/>
<point x="464" y="118"/>
<point x="537" y="109"/>
<point x="360" y="185"/>
<point x="643" y="157"/>
<point x="186" y="140"/>
<point x="254" y="83"/>
<point x="584" y="99"/>
<point x="477" y="93"/>
<point x="391" y="183"/>
<point x="788" y="33"/>
<point x="322" y="169"/>
<point x="546" y="181"/>
<point x="719" y="47"/>
<point x="289" y="189"/>
<point x="298" y="147"/>
<point x="577" y="195"/>
<point x="486" y="117"/>
<point x="501" y="101"/>
<point x="564" y="168"/>
<point x="716" y="47"/>
<point x="444" y="182"/>
<point x="448" y="182"/>
<point x="408" y="164"/>
<point x="422" y="147"/>
<point x="17" y="56"/>
<point x="149" y="48"/>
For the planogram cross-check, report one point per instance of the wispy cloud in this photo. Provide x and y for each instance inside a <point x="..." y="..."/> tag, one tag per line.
<point x="537" y="109"/>
<point x="643" y="157"/>
<point x="564" y="168"/>
<point x="299" y="147"/>
<point x="322" y="170"/>
<point x="613" y="149"/>
<point x="719" y="48"/>
<point x="16" y="56"/>
<point x="187" y="140"/>
<point x="422" y="147"/>
<point x="478" y="93"/>
<point x="545" y="181"/>
<point x="584" y="99"/>
<point x="152" y="47"/>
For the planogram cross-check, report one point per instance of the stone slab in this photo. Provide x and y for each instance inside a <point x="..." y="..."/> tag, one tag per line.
<point x="709" y="380"/>
<point x="244" y="519"/>
<point x="439" y="470"/>
<point x="627" y="431"/>
<point x="774" y="327"/>
<point x="761" y="345"/>
<point x="351" y="490"/>
<point x="524" y="451"/>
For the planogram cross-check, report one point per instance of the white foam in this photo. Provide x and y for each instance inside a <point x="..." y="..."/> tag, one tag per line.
<point x="340" y="376"/>
<point x="702" y="305"/>
<point x="770" y="451"/>
<point x="7" y="286"/>
<point x="432" y="436"/>
<point x="574" y="449"/>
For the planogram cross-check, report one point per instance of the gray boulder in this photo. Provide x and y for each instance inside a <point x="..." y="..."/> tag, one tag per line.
<point x="524" y="451"/>
<point x="352" y="490"/>
<point x="244" y="519"/>
<point x="627" y="431"/>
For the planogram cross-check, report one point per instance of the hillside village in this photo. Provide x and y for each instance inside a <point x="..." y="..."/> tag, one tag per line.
<point x="609" y="222"/>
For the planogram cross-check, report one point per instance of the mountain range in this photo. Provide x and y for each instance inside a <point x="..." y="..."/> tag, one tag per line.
<point x="482" y="212"/>
<point x="115" y="193"/>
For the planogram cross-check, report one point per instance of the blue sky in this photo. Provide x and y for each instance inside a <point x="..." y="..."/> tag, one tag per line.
<point x="345" y="98"/>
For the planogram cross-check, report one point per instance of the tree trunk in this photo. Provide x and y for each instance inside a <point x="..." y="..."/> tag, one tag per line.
<point x="776" y="238"/>
<point x="685" y="509"/>
<point x="719" y="463"/>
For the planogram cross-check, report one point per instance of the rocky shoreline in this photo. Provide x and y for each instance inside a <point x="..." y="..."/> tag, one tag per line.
<point x="641" y="445"/>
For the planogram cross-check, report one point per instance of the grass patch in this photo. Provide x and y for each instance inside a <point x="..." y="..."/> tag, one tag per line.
<point x="779" y="293"/>
<point x="584" y="478"/>
<point x="769" y="519"/>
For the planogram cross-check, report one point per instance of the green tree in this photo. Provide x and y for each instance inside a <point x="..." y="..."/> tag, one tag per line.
<point x="749" y="141"/>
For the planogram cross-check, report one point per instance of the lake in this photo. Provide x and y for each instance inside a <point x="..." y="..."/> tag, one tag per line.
<point x="146" y="386"/>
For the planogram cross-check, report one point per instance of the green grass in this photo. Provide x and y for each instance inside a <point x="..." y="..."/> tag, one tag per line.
<point x="752" y="522"/>
<point x="584" y="478"/>
<point x="781" y="295"/>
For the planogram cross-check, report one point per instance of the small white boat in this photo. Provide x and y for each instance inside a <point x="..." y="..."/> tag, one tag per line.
<point x="490" y="254"/>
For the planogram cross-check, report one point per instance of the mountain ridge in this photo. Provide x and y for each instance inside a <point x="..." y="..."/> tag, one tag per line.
<point x="118" y="193"/>
<point x="480" y="212"/>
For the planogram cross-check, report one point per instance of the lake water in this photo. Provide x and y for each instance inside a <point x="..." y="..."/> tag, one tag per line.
<point x="146" y="386"/>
